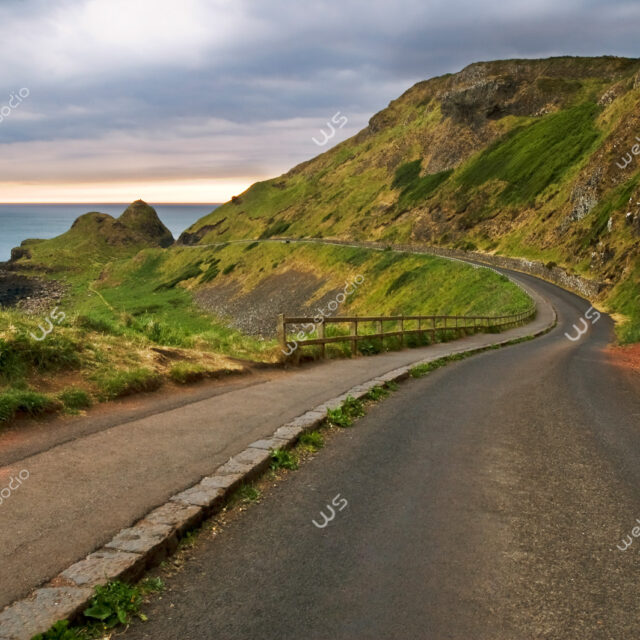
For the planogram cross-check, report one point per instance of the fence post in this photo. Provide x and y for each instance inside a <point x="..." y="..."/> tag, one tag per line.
<point x="323" y="350"/>
<point x="354" y="342"/>
<point x="381" y="331"/>
<point x="402" y="332"/>
<point x="282" y="336"/>
<point x="433" y="331"/>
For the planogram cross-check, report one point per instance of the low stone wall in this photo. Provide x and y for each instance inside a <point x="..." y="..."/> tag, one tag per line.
<point x="584" y="287"/>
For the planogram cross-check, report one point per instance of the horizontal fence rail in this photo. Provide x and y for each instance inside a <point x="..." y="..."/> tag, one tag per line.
<point x="426" y="325"/>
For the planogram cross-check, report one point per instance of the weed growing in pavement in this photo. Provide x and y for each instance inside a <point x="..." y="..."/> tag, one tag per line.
<point x="392" y="385"/>
<point x="338" y="418"/>
<point x="113" y="604"/>
<point x="353" y="408"/>
<point x="283" y="459"/>
<point x="312" y="441"/>
<point x="345" y="414"/>
<point x="376" y="393"/>
<point x="61" y="631"/>
<point x="248" y="493"/>
<point x="427" y="367"/>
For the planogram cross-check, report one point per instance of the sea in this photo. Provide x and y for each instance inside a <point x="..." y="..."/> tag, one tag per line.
<point x="21" y="221"/>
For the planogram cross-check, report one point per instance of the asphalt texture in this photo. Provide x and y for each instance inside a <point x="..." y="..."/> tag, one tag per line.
<point x="89" y="477"/>
<point x="486" y="501"/>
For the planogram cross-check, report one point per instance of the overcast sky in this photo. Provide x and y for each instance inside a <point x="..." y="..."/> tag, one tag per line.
<point x="194" y="100"/>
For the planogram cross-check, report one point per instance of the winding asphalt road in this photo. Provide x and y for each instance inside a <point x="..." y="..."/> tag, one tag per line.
<point x="485" y="502"/>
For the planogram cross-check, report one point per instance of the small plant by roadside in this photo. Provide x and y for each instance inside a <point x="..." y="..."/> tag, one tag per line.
<point x="248" y="493"/>
<point x="427" y="367"/>
<point x="312" y="441"/>
<point x="283" y="459"/>
<point x="114" y="604"/>
<point x="376" y="393"/>
<point x="353" y="408"/>
<point x="61" y="631"/>
<point x="392" y="386"/>
<point x="338" y="418"/>
<point x="344" y="415"/>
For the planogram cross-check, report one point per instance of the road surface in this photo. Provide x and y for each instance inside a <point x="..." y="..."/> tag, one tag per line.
<point x="90" y="477"/>
<point x="486" y="501"/>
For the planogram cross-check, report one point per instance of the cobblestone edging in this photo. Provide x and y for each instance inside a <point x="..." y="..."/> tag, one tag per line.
<point x="145" y="544"/>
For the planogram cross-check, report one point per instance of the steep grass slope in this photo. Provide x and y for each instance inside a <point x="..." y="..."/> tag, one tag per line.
<point x="529" y="158"/>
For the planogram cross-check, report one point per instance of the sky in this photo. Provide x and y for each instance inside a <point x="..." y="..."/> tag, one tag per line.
<point x="192" y="101"/>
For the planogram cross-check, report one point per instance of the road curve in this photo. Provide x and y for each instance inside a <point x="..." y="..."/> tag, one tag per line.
<point x="92" y="476"/>
<point x="485" y="502"/>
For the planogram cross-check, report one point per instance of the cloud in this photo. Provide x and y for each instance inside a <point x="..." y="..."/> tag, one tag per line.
<point x="158" y="88"/>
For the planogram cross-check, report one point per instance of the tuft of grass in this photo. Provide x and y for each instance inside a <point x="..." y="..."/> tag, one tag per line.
<point x="186" y="372"/>
<point x="75" y="399"/>
<point x="248" y="493"/>
<point x="283" y="459"/>
<point x="422" y="370"/>
<point x="353" y="408"/>
<point x="377" y="393"/>
<point x="32" y="403"/>
<point x="338" y="418"/>
<point x="392" y="386"/>
<point x="312" y="441"/>
<point x="62" y="631"/>
<point x="123" y="383"/>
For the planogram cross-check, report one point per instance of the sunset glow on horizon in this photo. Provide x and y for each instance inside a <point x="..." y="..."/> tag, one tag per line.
<point x="186" y="191"/>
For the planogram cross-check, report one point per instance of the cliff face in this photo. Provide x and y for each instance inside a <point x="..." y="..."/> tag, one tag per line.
<point x="528" y="158"/>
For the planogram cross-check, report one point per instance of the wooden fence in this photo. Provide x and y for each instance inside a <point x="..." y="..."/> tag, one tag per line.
<point x="426" y="325"/>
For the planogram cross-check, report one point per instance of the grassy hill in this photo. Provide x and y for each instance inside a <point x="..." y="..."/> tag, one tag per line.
<point x="137" y="315"/>
<point x="517" y="157"/>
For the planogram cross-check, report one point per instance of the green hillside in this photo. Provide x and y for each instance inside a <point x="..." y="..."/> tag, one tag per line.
<point x="517" y="157"/>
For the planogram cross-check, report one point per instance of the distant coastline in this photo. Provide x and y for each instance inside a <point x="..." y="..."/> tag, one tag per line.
<point x="43" y="220"/>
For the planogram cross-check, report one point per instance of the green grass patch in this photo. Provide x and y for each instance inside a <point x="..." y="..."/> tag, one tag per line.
<point x="312" y="441"/>
<point x="283" y="459"/>
<point x="531" y="157"/>
<point x="32" y="403"/>
<point x="75" y="399"/>
<point x="187" y="372"/>
<point x="122" y="383"/>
